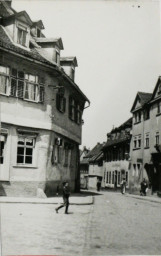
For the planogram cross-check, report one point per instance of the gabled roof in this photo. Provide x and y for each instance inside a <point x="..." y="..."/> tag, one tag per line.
<point x="44" y="40"/>
<point x="95" y="151"/>
<point x="70" y="59"/>
<point x="6" y="9"/>
<point x="110" y="143"/>
<point x="156" y="88"/>
<point x="17" y="15"/>
<point x="144" y="98"/>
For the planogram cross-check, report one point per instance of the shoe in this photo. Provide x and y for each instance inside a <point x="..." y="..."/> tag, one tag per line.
<point x="66" y="213"/>
<point x="56" y="210"/>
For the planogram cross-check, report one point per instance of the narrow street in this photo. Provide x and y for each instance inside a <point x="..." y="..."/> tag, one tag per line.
<point x="115" y="224"/>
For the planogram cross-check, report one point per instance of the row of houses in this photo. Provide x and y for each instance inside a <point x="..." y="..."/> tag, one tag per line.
<point x="132" y="150"/>
<point x="41" y="108"/>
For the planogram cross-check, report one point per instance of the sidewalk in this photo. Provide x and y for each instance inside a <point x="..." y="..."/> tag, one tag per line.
<point x="74" y="200"/>
<point x="152" y="198"/>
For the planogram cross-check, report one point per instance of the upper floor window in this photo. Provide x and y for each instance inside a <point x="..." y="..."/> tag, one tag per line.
<point x="21" y="85"/>
<point x="4" y="79"/>
<point x="146" y="140"/>
<point x="146" y="114"/>
<point x="137" y="142"/>
<point x="75" y="112"/>
<point x="22" y="35"/>
<point x="60" y="102"/>
<point x="57" y="58"/>
<point x="157" y="138"/>
<point x="158" y="107"/>
<point x="137" y="117"/>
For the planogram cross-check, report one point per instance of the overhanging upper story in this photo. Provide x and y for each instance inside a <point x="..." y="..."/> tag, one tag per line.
<point x="35" y="90"/>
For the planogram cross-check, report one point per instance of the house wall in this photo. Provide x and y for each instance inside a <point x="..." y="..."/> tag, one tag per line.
<point x="121" y="167"/>
<point x="49" y="123"/>
<point x="94" y="172"/>
<point x="140" y="156"/>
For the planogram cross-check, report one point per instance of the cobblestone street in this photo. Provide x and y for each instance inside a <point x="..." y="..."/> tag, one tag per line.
<point x="115" y="224"/>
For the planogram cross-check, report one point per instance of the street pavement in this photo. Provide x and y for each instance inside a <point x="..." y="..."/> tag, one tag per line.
<point x="115" y="224"/>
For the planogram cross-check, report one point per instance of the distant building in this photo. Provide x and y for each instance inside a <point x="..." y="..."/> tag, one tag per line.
<point x="41" y="108"/>
<point x="146" y="143"/>
<point x="95" y="160"/>
<point x="116" y="155"/>
<point x="84" y="167"/>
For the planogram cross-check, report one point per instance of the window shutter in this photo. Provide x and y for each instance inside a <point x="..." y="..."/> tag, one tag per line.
<point x="13" y="87"/>
<point x="70" y="107"/>
<point x="64" y="104"/>
<point x="20" y="89"/>
<point x="41" y="94"/>
<point x="58" y="101"/>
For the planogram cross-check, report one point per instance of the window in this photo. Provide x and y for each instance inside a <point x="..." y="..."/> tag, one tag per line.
<point x="38" y="32"/>
<point x="71" y="108"/>
<point x="137" y="142"/>
<point x="60" y="102"/>
<point x="137" y="117"/>
<point x="127" y="177"/>
<point x="17" y="83"/>
<point x="147" y="140"/>
<point x="21" y="35"/>
<point x="72" y="73"/>
<point x="31" y="87"/>
<point x="75" y="112"/>
<point x="1" y="152"/>
<point x="157" y="138"/>
<point x="146" y="114"/>
<point x="113" y="177"/>
<point x="107" y="177"/>
<point x="25" y="149"/>
<point x="158" y="108"/>
<point x="119" y="178"/>
<point x="57" y="57"/>
<point x="78" y="114"/>
<point x="4" y="79"/>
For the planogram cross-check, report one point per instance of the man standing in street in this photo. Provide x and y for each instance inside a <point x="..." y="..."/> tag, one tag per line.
<point x="66" y="194"/>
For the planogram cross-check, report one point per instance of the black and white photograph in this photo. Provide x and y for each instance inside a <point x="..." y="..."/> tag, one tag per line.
<point x="80" y="127"/>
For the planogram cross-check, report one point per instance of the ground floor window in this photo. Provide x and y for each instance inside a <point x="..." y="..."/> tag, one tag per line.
<point x="25" y="147"/>
<point x="119" y="178"/>
<point x="126" y="176"/>
<point x="107" y="177"/>
<point x="1" y="152"/>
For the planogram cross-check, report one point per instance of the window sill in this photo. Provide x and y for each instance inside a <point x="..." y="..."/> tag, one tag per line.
<point x="136" y="149"/>
<point x="137" y="123"/>
<point x="25" y="166"/>
<point x="158" y="114"/>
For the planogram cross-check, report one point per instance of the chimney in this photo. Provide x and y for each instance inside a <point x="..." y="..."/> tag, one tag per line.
<point x="69" y="64"/>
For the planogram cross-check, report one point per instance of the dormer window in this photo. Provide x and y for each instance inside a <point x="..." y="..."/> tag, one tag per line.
<point x="38" y="32"/>
<point x="57" y="57"/>
<point x="21" y="35"/>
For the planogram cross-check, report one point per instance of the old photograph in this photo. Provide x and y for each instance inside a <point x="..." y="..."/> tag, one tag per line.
<point x="80" y="127"/>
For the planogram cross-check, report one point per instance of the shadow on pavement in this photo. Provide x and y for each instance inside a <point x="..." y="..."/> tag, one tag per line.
<point x="84" y="193"/>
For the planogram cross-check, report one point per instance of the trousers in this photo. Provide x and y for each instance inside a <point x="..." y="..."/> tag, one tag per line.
<point x="65" y="204"/>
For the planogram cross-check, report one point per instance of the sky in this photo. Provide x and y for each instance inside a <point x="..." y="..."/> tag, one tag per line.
<point x="117" y="45"/>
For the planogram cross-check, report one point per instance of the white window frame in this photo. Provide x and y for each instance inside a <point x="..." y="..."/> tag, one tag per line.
<point x="6" y="75"/>
<point x="25" y="138"/>
<point x="31" y="80"/>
